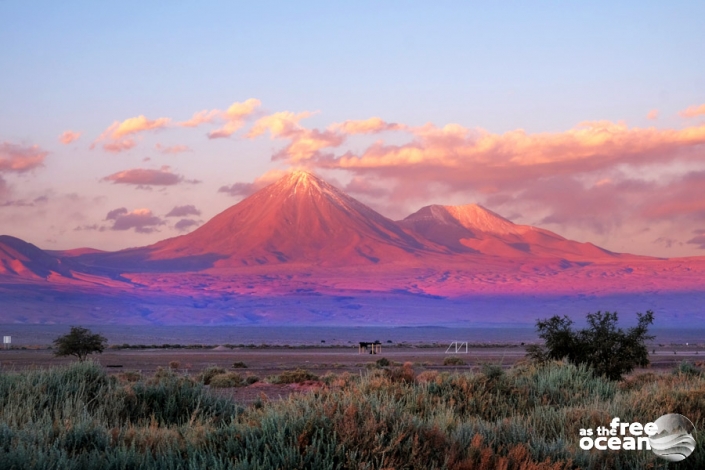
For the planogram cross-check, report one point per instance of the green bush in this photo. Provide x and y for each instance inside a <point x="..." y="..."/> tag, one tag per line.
<point x="227" y="380"/>
<point x="403" y="374"/>
<point x="208" y="373"/>
<point x="493" y="371"/>
<point x="293" y="376"/>
<point x="453" y="361"/>
<point x="239" y="365"/>
<point x="130" y="376"/>
<point x="687" y="368"/>
<point x="609" y="350"/>
<point x="383" y="362"/>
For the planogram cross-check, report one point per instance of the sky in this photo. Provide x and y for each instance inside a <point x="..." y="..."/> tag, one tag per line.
<point x="126" y="123"/>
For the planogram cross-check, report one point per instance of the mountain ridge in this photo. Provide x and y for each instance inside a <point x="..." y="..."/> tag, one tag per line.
<point x="303" y="220"/>
<point x="301" y="251"/>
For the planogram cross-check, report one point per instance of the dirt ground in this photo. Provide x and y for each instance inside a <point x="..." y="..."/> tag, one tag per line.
<point x="265" y="362"/>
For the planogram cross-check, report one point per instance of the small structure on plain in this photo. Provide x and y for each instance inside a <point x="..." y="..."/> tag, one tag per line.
<point x="458" y="346"/>
<point x="371" y="348"/>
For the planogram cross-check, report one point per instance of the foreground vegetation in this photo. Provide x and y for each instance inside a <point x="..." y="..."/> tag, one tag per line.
<point x="78" y="417"/>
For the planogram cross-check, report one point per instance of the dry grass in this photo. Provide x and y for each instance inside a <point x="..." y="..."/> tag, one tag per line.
<point x="526" y="418"/>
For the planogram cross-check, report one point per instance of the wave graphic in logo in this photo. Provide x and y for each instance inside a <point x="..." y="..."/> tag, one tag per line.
<point x="674" y="440"/>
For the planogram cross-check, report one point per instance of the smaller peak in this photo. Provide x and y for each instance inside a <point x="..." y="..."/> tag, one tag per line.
<point x="474" y="209"/>
<point x="475" y="216"/>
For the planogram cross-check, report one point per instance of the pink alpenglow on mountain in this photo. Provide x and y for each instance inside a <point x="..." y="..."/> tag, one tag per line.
<point x="473" y="228"/>
<point x="298" y="219"/>
<point x="300" y="251"/>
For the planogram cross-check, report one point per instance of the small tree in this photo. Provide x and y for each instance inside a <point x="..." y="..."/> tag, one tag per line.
<point x="80" y="342"/>
<point x="609" y="350"/>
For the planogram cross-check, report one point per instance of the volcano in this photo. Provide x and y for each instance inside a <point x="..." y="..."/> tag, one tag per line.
<point x="472" y="228"/>
<point x="299" y="219"/>
<point x="301" y="251"/>
<point x="302" y="220"/>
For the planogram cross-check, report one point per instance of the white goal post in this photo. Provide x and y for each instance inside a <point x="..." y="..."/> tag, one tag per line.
<point x="458" y="347"/>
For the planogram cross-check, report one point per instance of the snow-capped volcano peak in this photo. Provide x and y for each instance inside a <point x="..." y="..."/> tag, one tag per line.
<point x="299" y="218"/>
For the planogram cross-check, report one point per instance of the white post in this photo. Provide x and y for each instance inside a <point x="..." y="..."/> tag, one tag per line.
<point x="6" y="341"/>
<point x="458" y="346"/>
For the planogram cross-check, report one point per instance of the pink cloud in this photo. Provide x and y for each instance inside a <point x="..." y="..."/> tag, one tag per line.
<point x="91" y="227"/>
<point x="478" y="155"/>
<point x="304" y="143"/>
<point x="141" y="220"/>
<point x="235" y="117"/>
<point x="20" y="158"/>
<point x="185" y="224"/>
<point x="174" y="149"/>
<point x="239" y="111"/>
<point x="682" y="198"/>
<point x="20" y="202"/>
<point x="652" y="115"/>
<point x="693" y="111"/>
<point x="372" y="125"/>
<point x="183" y="211"/>
<point x="135" y="125"/>
<point x="119" y="146"/>
<point x="699" y="239"/>
<point x="228" y="129"/>
<point x="245" y="189"/>
<point x="201" y="117"/>
<point x="360" y="185"/>
<point x="4" y="189"/>
<point x="147" y="177"/>
<point x="281" y="124"/>
<point x="114" y="135"/>
<point x="69" y="136"/>
<point x="565" y="178"/>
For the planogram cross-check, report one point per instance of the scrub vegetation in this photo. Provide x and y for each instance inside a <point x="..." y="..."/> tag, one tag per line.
<point x="607" y="349"/>
<point x="527" y="417"/>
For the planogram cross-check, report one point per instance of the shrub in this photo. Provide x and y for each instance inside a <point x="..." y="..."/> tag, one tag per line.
<point x="130" y="376"/>
<point x="492" y="371"/>
<point x="208" y="373"/>
<point x="537" y="354"/>
<point x="227" y="380"/>
<point x="687" y="368"/>
<point x="79" y="342"/>
<point x="609" y="350"/>
<point x="453" y="361"/>
<point x="250" y="379"/>
<point x="239" y="365"/>
<point x="162" y="374"/>
<point x="383" y="362"/>
<point x="427" y="376"/>
<point x="174" y="365"/>
<point x="295" y="376"/>
<point x="403" y="374"/>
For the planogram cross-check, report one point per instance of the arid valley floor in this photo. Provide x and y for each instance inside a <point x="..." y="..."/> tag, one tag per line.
<point x="264" y="362"/>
